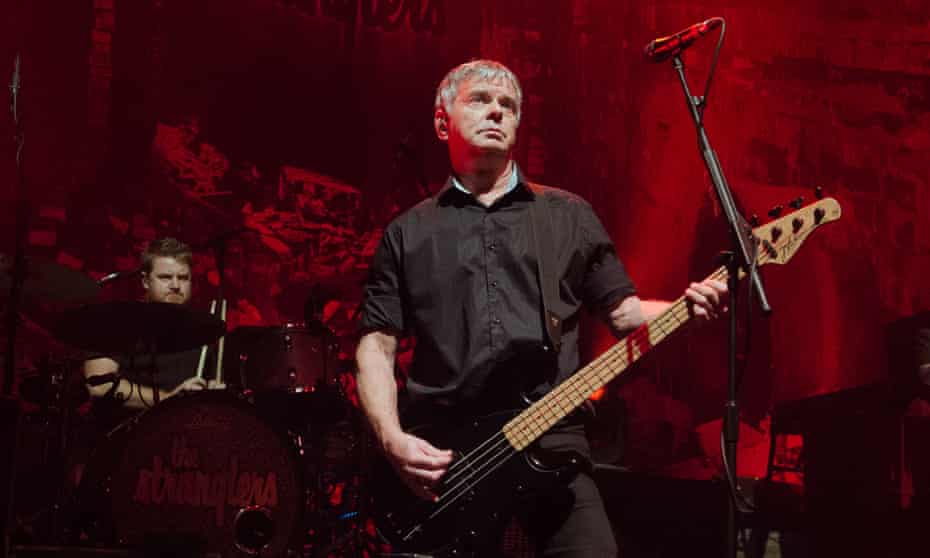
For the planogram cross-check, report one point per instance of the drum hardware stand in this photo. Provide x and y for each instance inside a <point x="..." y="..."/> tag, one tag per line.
<point x="360" y="473"/>
<point x="56" y="412"/>
<point x="317" y="500"/>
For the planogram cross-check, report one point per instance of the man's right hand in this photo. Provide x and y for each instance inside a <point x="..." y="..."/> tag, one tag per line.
<point x="417" y="462"/>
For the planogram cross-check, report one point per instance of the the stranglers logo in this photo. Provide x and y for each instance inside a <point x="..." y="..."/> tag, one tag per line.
<point x="389" y="15"/>
<point x="180" y="481"/>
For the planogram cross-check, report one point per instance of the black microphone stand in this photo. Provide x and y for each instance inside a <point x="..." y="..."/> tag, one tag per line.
<point x="741" y="257"/>
<point x="23" y="210"/>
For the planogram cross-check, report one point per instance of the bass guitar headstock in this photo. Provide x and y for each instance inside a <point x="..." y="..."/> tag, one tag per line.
<point x="780" y="239"/>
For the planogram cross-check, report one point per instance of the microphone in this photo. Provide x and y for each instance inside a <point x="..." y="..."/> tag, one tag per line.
<point x="117" y="275"/>
<point x="664" y="48"/>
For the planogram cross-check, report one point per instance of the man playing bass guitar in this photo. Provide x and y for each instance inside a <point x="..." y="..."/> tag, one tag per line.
<point x="458" y="272"/>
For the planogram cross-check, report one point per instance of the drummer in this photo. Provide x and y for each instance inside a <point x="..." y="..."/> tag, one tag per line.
<point x="127" y="381"/>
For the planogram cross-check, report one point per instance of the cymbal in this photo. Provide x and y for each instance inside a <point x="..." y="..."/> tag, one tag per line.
<point x="124" y="327"/>
<point x="48" y="280"/>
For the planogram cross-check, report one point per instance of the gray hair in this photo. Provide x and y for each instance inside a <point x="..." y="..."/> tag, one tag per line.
<point x="485" y="70"/>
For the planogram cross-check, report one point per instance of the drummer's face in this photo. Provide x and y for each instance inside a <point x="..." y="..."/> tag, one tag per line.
<point x="169" y="281"/>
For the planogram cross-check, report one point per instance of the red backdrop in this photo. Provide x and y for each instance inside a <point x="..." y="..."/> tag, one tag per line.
<point x="310" y="121"/>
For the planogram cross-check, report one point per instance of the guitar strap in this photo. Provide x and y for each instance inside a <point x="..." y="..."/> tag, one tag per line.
<point x="542" y="231"/>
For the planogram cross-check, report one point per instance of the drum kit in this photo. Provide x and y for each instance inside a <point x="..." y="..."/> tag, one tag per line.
<point x="273" y="465"/>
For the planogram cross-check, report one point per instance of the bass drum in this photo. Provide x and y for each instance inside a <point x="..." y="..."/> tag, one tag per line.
<point x="200" y="470"/>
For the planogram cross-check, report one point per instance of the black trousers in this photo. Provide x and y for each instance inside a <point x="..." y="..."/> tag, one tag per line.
<point x="571" y="522"/>
<point x="568" y="521"/>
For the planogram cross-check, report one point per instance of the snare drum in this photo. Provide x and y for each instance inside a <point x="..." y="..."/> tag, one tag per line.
<point x="200" y="467"/>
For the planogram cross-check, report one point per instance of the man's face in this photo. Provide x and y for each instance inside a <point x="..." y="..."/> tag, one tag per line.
<point x="481" y="120"/>
<point x="169" y="281"/>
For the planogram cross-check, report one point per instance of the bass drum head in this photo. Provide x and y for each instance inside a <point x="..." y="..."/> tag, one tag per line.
<point x="204" y="467"/>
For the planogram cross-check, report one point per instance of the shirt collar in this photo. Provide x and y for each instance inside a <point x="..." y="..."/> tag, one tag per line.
<point x="511" y="182"/>
<point x="515" y="181"/>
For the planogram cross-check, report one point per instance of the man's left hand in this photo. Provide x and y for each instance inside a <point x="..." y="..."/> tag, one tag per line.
<point x="707" y="300"/>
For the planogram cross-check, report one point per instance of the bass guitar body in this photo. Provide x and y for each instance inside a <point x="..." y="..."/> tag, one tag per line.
<point x="485" y="482"/>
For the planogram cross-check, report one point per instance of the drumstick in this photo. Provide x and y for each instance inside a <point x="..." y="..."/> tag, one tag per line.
<point x="203" y="350"/>
<point x="220" y="344"/>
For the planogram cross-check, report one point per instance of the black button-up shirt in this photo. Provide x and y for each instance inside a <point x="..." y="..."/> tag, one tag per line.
<point x="462" y="278"/>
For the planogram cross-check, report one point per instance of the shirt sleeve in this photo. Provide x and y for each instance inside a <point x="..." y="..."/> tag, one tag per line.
<point x="382" y="306"/>
<point x="606" y="281"/>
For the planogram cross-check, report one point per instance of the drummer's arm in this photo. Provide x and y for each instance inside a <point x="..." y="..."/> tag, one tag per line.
<point x="134" y="396"/>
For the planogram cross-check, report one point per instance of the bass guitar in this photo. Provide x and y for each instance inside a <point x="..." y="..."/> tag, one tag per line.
<point x="495" y="461"/>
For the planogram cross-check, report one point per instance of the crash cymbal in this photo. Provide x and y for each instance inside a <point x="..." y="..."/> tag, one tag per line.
<point x="130" y="327"/>
<point x="50" y="281"/>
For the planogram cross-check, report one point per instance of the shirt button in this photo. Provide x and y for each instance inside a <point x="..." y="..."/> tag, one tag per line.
<point x="494" y="284"/>
<point x="497" y="321"/>
<point x="492" y="246"/>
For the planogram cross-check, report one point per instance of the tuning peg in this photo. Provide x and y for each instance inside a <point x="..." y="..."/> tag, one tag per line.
<point x="754" y="220"/>
<point x="819" y="214"/>
<point x="818" y="192"/>
<point x="769" y="249"/>
<point x="775" y="211"/>
<point x="797" y="203"/>
<point x="776" y="234"/>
